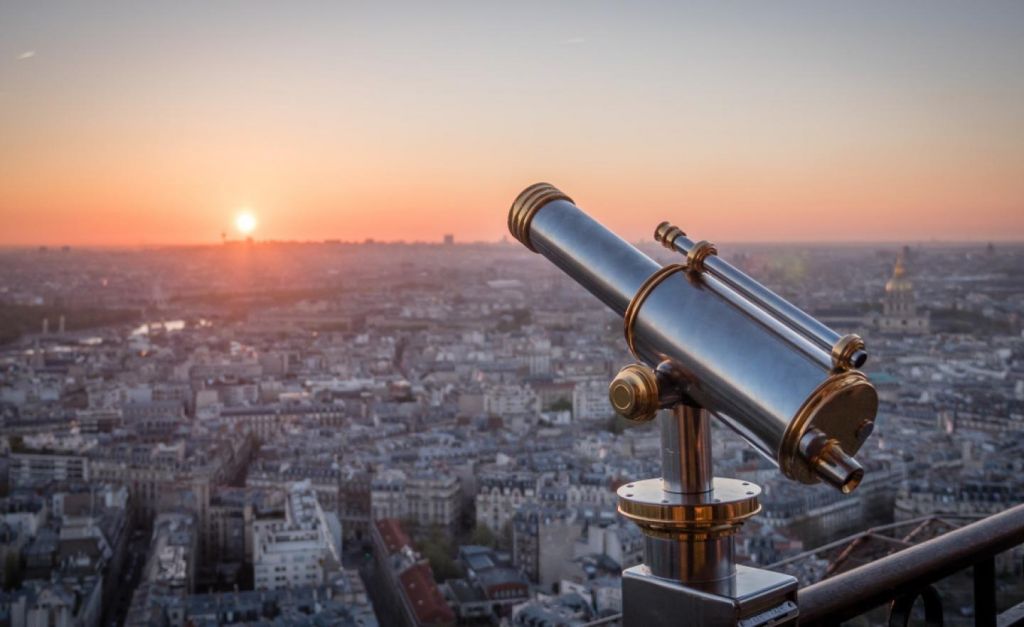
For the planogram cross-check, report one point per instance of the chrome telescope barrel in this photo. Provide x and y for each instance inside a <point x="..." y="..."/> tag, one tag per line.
<point x="763" y="378"/>
<point x="839" y="352"/>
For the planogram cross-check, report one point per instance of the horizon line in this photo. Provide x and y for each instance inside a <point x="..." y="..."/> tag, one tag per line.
<point x="502" y="242"/>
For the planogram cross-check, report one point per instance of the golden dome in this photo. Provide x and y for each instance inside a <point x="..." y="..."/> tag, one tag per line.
<point x="899" y="281"/>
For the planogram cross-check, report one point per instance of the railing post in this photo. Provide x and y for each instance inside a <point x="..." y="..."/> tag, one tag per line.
<point x="985" y="592"/>
<point x="901" y="608"/>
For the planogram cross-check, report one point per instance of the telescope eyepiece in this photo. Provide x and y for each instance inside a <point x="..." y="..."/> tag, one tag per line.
<point x="830" y="462"/>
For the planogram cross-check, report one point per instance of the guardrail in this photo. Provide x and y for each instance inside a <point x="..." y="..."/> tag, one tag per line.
<point x="903" y="577"/>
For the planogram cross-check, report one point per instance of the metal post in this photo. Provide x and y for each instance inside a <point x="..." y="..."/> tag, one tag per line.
<point x="985" y="592"/>
<point x="686" y="450"/>
<point x="689" y="519"/>
<point x="686" y="470"/>
<point x="704" y="563"/>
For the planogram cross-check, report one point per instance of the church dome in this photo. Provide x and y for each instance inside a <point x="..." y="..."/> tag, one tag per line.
<point x="899" y="281"/>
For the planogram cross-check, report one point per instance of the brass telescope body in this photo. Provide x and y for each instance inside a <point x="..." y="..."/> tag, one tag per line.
<point x="789" y="387"/>
<point x="710" y="341"/>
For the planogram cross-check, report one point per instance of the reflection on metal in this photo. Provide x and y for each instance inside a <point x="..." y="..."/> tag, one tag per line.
<point x="686" y="450"/>
<point x="738" y="350"/>
<point x="629" y="318"/>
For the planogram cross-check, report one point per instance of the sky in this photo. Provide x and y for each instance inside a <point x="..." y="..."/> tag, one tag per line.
<point x="131" y="123"/>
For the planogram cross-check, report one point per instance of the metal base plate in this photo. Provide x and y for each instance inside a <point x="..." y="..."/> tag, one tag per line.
<point x="753" y="598"/>
<point x="729" y="503"/>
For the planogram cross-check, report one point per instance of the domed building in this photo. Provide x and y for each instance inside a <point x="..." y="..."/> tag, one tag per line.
<point x="899" y="306"/>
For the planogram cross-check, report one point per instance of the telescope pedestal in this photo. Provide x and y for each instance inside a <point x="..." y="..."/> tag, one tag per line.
<point x="751" y="597"/>
<point x="690" y="519"/>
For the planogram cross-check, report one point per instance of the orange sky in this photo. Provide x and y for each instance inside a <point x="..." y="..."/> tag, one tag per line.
<point x="133" y="125"/>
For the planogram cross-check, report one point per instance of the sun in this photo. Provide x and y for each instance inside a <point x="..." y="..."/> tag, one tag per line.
<point x="245" y="222"/>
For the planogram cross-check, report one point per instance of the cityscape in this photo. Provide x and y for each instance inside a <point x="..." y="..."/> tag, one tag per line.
<point x="511" y="314"/>
<point x="342" y="433"/>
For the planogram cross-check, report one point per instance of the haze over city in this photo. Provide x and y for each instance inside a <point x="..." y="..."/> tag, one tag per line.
<point x="124" y="124"/>
<point x="478" y="314"/>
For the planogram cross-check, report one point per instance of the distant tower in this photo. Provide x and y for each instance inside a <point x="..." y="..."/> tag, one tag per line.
<point x="60" y="325"/>
<point x="46" y="326"/>
<point x="449" y="239"/>
<point x="158" y="298"/>
<point x="899" y="306"/>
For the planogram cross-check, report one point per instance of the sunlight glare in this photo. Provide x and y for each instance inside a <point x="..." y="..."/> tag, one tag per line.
<point x="245" y="222"/>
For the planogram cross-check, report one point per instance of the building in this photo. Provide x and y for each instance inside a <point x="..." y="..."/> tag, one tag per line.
<point x="610" y="536"/>
<point x="70" y="603"/>
<point x="590" y="400"/>
<point x="511" y="400"/>
<point x="543" y="540"/>
<point x="342" y="602"/>
<point x="568" y="610"/>
<point x="229" y="525"/>
<point x="423" y="498"/>
<point x="325" y="479"/>
<point x="354" y="503"/>
<point x="899" y="306"/>
<point x="35" y="468"/>
<point x="154" y="419"/>
<point x="152" y="471"/>
<point x="405" y="581"/>
<point x="67" y="546"/>
<point x="267" y="421"/>
<point x="500" y="494"/>
<point x="299" y="549"/>
<point x="491" y="587"/>
<point x="169" y="574"/>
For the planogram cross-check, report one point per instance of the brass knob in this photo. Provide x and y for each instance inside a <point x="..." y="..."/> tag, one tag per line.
<point x="634" y="393"/>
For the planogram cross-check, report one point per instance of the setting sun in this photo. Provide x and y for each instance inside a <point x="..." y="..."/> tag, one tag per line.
<point x="245" y="222"/>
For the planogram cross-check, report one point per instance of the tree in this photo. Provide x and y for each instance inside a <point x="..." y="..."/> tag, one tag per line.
<point x="562" y="404"/>
<point x="12" y="571"/>
<point x="483" y="536"/>
<point x="505" y="540"/>
<point x="617" y="425"/>
<point x="437" y="548"/>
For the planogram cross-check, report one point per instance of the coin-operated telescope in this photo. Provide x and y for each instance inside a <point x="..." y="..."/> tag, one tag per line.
<point x="710" y="341"/>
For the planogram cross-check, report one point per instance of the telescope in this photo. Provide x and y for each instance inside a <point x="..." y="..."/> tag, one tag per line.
<point x="709" y="341"/>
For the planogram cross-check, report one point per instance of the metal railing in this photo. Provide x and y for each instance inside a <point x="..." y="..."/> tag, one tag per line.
<point x="903" y="577"/>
